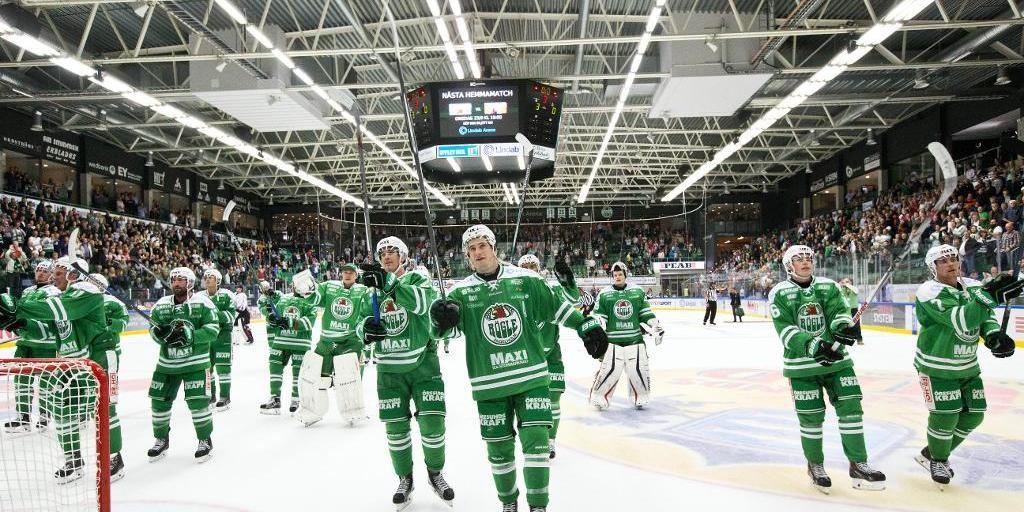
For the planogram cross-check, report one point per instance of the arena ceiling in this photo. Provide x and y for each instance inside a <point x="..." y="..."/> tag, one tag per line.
<point x="956" y="47"/>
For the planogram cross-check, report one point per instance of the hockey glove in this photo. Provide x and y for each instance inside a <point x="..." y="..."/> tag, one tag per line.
<point x="1000" y="344"/>
<point x="564" y="275"/>
<point x="1001" y="288"/>
<point x="160" y="332"/>
<point x="374" y="331"/>
<point x="824" y="353"/>
<point x="848" y="335"/>
<point x="653" y="330"/>
<point x="595" y="340"/>
<point x="280" y="322"/>
<point x="374" y="276"/>
<point x="445" y="314"/>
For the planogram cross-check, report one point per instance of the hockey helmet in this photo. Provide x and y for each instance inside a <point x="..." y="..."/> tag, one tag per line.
<point x="304" y="283"/>
<point x="618" y="265"/>
<point x="937" y="253"/>
<point x="100" y="280"/>
<point x="393" y="242"/>
<point x="529" y="259"/>
<point x="793" y="252"/>
<point x="478" y="231"/>
<point x="69" y="265"/>
<point x="184" y="273"/>
<point x="212" y="272"/>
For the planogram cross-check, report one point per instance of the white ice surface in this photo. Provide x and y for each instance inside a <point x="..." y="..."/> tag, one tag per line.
<point x="719" y="434"/>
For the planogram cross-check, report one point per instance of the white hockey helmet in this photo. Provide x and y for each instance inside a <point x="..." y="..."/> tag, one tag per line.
<point x="618" y="265"/>
<point x="212" y="272"/>
<point x="44" y="265"/>
<point x="183" y="272"/>
<point x="68" y="264"/>
<point x="529" y="259"/>
<point x="478" y="231"/>
<point x="100" y="279"/>
<point x="937" y="253"/>
<point x="393" y="242"/>
<point x="264" y="286"/>
<point x="793" y="252"/>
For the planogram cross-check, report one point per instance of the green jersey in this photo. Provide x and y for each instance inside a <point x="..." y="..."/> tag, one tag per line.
<point x="623" y="310"/>
<point x="550" y="331"/>
<point x="850" y="296"/>
<point x="117" y="322"/>
<point x="405" y="315"/>
<point x="801" y="314"/>
<point x="951" y="321"/>
<point x="341" y="317"/>
<point x="198" y="311"/>
<point x="224" y="301"/>
<point x="300" y="313"/>
<point x="77" y="314"/>
<point x="38" y="333"/>
<point x="266" y="304"/>
<point x="505" y="350"/>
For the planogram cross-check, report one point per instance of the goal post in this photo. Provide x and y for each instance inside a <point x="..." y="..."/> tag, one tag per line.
<point x="53" y="411"/>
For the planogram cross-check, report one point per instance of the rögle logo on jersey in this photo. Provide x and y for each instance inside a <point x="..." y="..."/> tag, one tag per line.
<point x="291" y="312"/>
<point x="623" y="309"/>
<point x="810" y="318"/>
<point x="342" y="308"/>
<point x="501" y="325"/>
<point x="394" y="317"/>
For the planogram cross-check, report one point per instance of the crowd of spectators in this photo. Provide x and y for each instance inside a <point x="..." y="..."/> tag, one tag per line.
<point x="981" y="219"/>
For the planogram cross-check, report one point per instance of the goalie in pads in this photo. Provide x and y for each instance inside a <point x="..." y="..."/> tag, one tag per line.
<point x="629" y="322"/>
<point x="335" y="361"/>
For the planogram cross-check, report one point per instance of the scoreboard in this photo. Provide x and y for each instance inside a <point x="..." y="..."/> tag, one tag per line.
<point x="465" y="131"/>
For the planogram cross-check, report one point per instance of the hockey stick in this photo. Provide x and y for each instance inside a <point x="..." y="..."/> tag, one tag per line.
<point x="73" y="254"/>
<point x="946" y="165"/>
<point x="415" y="152"/>
<point x="1015" y="269"/>
<point x="238" y="245"/>
<point x="528" y="149"/>
<point x="374" y="299"/>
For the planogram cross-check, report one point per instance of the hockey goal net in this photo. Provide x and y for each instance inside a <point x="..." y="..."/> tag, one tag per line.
<point x="54" y="435"/>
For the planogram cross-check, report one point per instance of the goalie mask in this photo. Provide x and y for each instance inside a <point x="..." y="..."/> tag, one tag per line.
<point x="478" y="231"/>
<point x="304" y="283"/>
<point x="529" y="259"/>
<point x="183" y="273"/>
<point x="793" y="252"/>
<point x="937" y="253"/>
<point x="393" y="242"/>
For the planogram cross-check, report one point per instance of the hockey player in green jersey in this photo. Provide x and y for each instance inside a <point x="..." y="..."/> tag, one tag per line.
<point x="953" y="312"/>
<point x="107" y="353"/>
<point x="626" y="315"/>
<point x="408" y="370"/>
<point x="184" y="325"/>
<point x="566" y="288"/>
<point x="292" y="316"/>
<point x="335" y="361"/>
<point x="849" y="292"/>
<point x="814" y="324"/>
<point x="77" y="313"/>
<point x="37" y="339"/>
<point x="498" y="309"/>
<point x="220" y="349"/>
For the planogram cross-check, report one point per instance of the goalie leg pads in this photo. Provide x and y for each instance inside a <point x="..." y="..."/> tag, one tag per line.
<point x="638" y="372"/>
<point x="607" y="377"/>
<point x="348" y="388"/>
<point x="312" y="389"/>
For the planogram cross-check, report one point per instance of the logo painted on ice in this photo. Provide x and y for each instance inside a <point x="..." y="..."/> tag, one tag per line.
<point x="623" y="309"/>
<point x="810" y="318"/>
<point x="394" y="317"/>
<point x="342" y="308"/>
<point x="501" y="325"/>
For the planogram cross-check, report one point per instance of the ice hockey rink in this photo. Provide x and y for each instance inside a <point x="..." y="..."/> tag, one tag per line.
<point x="719" y="433"/>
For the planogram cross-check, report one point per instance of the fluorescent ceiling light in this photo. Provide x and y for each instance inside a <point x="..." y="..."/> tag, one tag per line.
<point x="32" y="45"/>
<point x="283" y="57"/>
<point x="319" y="91"/>
<point x="141" y="98"/>
<point x="231" y="10"/>
<point x="259" y="36"/>
<point x="454" y="164"/>
<point x="191" y="122"/>
<point x="306" y="79"/>
<point x="878" y="33"/>
<point x="74" y="65"/>
<point x="906" y="10"/>
<point x="487" y="162"/>
<point x="515" y="192"/>
<point x="168" y="111"/>
<point x="112" y="84"/>
<point x="519" y="160"/>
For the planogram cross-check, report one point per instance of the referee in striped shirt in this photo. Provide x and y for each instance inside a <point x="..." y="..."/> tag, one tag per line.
<point x="712" y="307"/>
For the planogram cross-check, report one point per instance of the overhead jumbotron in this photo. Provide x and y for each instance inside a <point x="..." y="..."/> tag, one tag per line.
<point x="511" y="255"/>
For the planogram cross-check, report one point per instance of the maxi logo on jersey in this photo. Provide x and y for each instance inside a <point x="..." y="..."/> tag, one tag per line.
<point x="342" y="308"/>
<point x="501" y="325"/>
<point x="623" y="309"/>
<point x="810" y="318"/>
<point x="394" y="317"/>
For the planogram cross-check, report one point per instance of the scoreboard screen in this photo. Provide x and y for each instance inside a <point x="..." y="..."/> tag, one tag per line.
<point x="465" y="131"/>
<point x="487" y="111"/>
